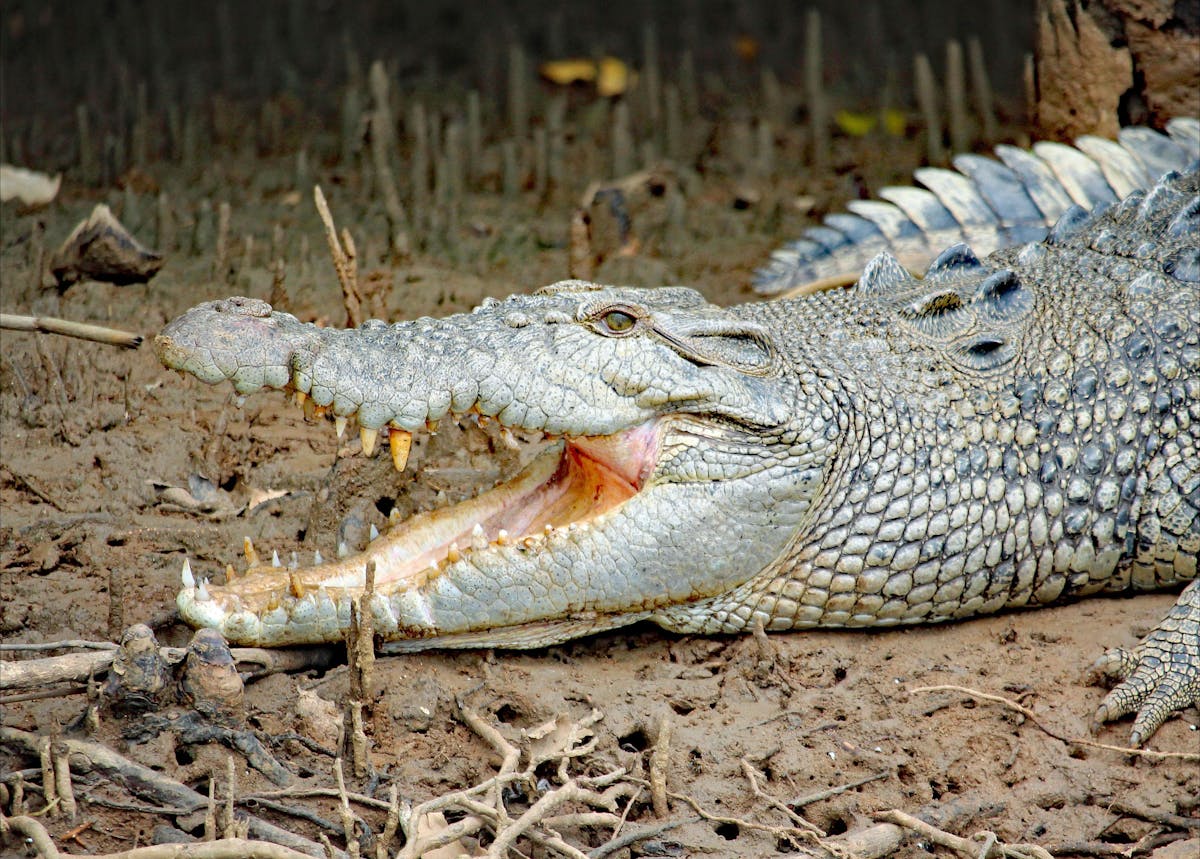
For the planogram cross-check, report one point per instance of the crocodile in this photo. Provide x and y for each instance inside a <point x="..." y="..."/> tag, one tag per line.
<point x="1000" y="433"/>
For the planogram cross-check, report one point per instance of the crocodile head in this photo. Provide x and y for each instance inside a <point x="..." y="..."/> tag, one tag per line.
<point x="677" y="469"/>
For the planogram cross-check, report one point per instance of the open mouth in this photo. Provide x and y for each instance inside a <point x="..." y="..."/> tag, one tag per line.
<point x="564" y="488"/>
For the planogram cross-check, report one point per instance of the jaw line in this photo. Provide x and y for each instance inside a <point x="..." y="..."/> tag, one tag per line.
<point x="568" y="486"/>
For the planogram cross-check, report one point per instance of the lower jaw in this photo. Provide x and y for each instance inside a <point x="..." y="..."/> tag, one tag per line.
<point x="567" y="486"/>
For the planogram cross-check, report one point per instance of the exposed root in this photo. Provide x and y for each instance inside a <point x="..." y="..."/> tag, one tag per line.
<point x="1050" y="732"/>
<point x="226" y="848"/>
<point x="984" y="845"/>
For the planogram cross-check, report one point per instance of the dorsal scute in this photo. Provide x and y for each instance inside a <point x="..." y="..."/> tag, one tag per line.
<point x="956" y="261"/>
<point x="1070" y="224"/>
<point x="1186" y="221"/>
<point x="884" y="275"/>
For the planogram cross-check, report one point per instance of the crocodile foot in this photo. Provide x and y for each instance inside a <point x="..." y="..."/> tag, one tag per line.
<point x="1160" y="675"/>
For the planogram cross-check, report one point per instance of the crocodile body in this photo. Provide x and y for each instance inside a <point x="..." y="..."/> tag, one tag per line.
<point x="989" y="204"/>
<point x="999" y="433"/>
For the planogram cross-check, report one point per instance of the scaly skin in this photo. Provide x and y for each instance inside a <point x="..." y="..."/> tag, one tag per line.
<point x="994" y="435"/>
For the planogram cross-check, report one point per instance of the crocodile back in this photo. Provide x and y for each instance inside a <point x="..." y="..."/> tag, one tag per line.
<point x="985" y="202"/>
<point x="1013" y="431"/>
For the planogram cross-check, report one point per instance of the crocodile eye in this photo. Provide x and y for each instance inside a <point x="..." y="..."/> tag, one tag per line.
<point x="618" y="322"/>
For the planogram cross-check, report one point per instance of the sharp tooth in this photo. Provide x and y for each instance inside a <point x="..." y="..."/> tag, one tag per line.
<point x="502" y="537"/>
<point x="374" y="535"/>
<point x="317" y="559"/>
<point x="431" y="426"/>
<point x="343" y="550"/>
<point x="275" y="562"/>
<point x="239" y="401"/>
<point x="311" y="410"/>
<point x="299" y="397"/>
<point x="294" y="586"/>
<point x="339" y="424"/>
<point x="509" y="440"/>
<point x="202" y="591"/>
<point x="484" y="420"/>
<point x="453" y="555"/>
<point x="369" y="437"/>
<point x="189" y="581"/>
<point x="401" y="443"/>
<point x="230" y="573"/>
<point x="251" y="555"/>
<point x="394" y="517"/>
<point x="549" y="529"/>
<point x="478" y="538"/>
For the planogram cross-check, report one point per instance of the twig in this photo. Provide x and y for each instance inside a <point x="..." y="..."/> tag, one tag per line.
<point x="1082" y="741"/>
<point x="149" y="784"/>
<point x="801" y="801"/>
<point x="509" y="753"/>
<point x="752" y="777"/>
<point x="38" y="673"/>
<point x="341" y="264"/>
<point x="67" y="328"/>
<point x="659" y="759"/>
<point x="228" y="848"/>
<point x="965" y="846"/>
<point x="56" y="692"/>
<point x="636" y="835"/>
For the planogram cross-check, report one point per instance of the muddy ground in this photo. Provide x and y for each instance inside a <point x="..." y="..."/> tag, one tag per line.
<point x="92" y="436"/>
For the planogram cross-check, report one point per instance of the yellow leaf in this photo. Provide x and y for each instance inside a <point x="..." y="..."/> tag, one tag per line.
<point x="568" y="71"/>
<point x="614" y="77"/>
<point x="855" y="124"/>
<point x="895" y="122"/>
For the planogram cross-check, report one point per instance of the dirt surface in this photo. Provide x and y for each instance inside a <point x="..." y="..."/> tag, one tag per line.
<point x="98" y="441"/>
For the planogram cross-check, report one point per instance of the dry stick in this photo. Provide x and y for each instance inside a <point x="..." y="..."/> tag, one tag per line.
<point x="62" y="779"/>
<point x="221" y="254"/>
<point x="344" y="810"/>
<point x="752" y="777"/>
<point x="390" y="824"/>
<point x="659" y="759"/>
<point x="965" y="846"/>
<point x="228" y="820"/>
<point x="346" y="276"/>
<point x="981" y="86"/>
<point x="956" y="97"/>
<point x="927" y="100"/>
<point x="474" y="137"/>
<point x="801" y="801"/>
<point x="509" y="753"/>
<point x="518" y="92"/>
<point x="1028" y="714"/>
<point x="67" y="328"/>
<point x="49" y="782"/>
<point x="228" y="848"/>
<point x="634" y="836"/>
<point x="622" y="141"/>
<point x="382" y="132"/>
<point x="814" y="90"/>
<point x="34" y="673"/>
<point x="145" y="782"/>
